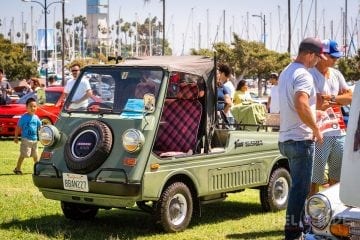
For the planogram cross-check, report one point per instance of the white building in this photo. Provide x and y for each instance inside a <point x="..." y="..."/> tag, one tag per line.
<point x="97" y="14"/>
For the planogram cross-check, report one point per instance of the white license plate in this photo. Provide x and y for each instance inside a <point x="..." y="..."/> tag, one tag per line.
<point x="75" y="182"/>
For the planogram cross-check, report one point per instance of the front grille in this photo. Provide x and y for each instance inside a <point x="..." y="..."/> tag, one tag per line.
<point x="354" y="229"/>
<point x="354" y="225"/>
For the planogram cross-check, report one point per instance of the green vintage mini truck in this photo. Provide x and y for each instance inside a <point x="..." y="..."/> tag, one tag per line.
<point x="155" y="141"/>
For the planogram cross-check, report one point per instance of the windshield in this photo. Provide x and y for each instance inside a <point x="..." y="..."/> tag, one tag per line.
<point x="114" y="89"/>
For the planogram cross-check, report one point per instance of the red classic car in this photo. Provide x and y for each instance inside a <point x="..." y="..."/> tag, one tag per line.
<point x="47" y="112"/>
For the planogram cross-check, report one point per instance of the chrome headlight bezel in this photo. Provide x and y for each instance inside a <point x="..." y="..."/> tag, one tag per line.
<point x="48" y="135"/>
<point x="318" y="208"/>
<point x="133" y="140"/>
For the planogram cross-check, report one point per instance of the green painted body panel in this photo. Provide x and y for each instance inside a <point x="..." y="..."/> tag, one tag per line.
<point x="233" y="169"/>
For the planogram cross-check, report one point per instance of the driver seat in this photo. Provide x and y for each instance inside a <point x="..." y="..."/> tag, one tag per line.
<point x="179" y="123"/>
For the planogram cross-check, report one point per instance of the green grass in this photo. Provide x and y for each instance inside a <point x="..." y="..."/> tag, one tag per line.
<point x="26" y="214"/>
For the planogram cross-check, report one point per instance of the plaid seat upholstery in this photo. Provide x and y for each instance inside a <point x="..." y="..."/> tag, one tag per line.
<point x="180" y="122"/>
<point x="187" y="91"/>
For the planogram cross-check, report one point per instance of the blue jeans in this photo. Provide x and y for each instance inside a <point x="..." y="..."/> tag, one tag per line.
<point x="300" y="155"/>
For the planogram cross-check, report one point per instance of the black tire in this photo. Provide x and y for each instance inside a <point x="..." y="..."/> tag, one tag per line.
<point x="98" y="138"/>
<point x="274" y="196"/>
<point x="78" y="211"/>
<point x="175" y="207"/>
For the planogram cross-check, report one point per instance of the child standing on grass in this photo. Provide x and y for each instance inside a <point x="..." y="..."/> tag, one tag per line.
<point x="29" y="125"/>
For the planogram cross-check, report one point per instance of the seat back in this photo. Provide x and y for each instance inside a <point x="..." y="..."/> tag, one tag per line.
<point x="180" y="121"/>
<point x="123" y="91"/>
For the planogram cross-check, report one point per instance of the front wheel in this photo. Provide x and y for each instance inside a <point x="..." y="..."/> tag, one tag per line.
<point x="78" y="211"/>
<point x="274" y="196"/>
<point x="175" y="207"/>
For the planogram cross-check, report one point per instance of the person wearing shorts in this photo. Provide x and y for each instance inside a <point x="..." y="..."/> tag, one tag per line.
<point x="29" y="125"/>
<point x="332" y="92"/>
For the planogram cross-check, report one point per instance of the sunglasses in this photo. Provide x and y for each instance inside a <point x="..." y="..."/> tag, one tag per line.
<point x="75" y="70"/>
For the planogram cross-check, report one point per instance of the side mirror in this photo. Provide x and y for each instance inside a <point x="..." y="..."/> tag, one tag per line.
<point x="149" y="103"/>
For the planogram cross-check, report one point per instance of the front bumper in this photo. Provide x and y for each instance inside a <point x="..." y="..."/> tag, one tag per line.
<point x="101" y="192"/>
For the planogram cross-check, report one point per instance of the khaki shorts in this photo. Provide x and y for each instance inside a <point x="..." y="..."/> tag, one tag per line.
<point x="28" y="148"/>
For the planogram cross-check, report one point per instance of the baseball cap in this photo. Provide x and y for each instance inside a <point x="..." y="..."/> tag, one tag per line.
<point x="331" y="47"/>
<point x="274" y="74"/>
<point x="313" y="45"/>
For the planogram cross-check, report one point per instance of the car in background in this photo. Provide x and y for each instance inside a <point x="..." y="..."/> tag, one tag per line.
<point x="47" y="112"/>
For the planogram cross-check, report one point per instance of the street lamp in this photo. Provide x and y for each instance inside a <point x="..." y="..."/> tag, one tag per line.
<point x="262" y="18"/>
<point x="45" y="6"/>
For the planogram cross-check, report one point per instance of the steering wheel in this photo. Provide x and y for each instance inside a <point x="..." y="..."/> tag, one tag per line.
<point x="97" y="106"/>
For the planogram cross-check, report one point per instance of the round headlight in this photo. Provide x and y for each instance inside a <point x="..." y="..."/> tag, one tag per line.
<point x="319" y="210"/>
<point x="48" y="135"/>
<point x="133" y="140"/>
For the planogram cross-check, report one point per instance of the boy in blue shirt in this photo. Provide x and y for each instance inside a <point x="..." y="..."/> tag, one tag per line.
<point x="29" y="125"/>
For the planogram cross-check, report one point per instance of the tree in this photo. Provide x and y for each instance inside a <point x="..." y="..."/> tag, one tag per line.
<point x="15" y="61"/>
<point x="248" y="59"/>
<point x="125" y="29"/>
<point x="350" y="67"/>
<point x="163" y="27"/>
<point x="80" y="23"/>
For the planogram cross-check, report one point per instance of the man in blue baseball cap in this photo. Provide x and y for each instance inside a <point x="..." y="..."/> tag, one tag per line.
<point x="332" y="92"/>
<point x="331" y="47"/>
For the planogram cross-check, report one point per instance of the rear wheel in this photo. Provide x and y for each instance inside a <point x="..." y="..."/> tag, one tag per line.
<point x="274" y="196"/>
<point x="175" y="207"/>
<point x="78" y="211"/>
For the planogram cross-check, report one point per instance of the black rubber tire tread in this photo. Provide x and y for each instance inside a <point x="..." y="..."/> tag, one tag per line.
<point x="267" y="200"/>
<point x="162" y="210"/>
<point x="76" y="211"/>
<point x="96" y="157"/>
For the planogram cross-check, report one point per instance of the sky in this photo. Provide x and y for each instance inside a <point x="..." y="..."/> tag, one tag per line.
<point x="199" y="23"/>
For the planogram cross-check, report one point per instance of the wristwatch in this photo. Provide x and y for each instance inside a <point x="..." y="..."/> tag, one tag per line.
<point x="333" y="98"/>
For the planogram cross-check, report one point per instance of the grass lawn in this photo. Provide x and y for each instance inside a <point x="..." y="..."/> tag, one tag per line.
<point x="26" y="214"/>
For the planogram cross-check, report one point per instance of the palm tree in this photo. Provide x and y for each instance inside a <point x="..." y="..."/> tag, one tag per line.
<point x="125" y="28"/>
<point x="163" y="39"/>
<point x="80" y="22"/>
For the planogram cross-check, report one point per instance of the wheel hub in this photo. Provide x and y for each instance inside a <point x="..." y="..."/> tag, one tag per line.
<point x="281" y="190"/>
<point x="178" y="209"/>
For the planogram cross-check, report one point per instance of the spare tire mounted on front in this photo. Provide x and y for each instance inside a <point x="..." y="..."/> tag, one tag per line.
<point x="88" y="147"/>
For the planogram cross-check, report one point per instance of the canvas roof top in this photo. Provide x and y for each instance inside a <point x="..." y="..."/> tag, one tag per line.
<point x="197" y="65"/>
